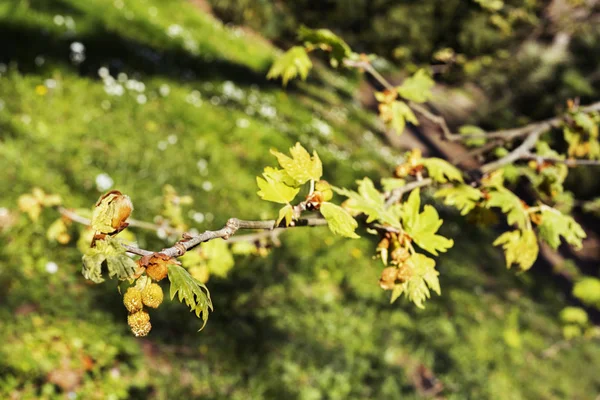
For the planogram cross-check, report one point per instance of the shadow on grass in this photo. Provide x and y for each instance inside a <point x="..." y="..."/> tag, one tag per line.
<point x="119" y="54"/>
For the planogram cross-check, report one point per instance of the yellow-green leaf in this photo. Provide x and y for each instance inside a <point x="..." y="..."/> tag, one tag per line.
<point x="286" y="212"/>
<point x="371" y="202"/>
<point x="292" y="63"/>
<point x="424" y="278"/>
<point x="339" y="220"/>
<point x="422" y="227"/>
<point x="510" y="204"/>
<point x="441" y="170"/>
<point x="463" y="197"/>
<point x="326" y="40"/>
<point x="555" y="224"/>
<point x="418" y="87"/>
<point x="273" y="189"/>
<point x="301" y="166"/>
<point x="520" y="247"/>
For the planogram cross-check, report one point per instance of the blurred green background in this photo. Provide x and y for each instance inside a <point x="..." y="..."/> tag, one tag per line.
<point x="137" y="94"/>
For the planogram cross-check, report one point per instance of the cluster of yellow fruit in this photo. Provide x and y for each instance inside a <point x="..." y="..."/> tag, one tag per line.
<point x="150" y="295"/>
<point x="399" y="271"/>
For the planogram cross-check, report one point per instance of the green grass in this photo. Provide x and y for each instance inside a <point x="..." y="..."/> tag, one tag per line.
<point x="308" y="321"/>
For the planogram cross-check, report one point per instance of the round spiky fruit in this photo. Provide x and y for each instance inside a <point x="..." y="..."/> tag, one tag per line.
<point x="133" y="300"/>
<point x="152" y="295"/>
<point x="139" y="322"/>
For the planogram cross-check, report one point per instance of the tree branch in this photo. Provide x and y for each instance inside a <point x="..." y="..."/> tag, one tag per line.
<point x="397" y="193"/>
<point x="570" y="162"/>
<point x="523" y="149"/>
<point x="504" y="134"/>
<point x="190" y="241"/>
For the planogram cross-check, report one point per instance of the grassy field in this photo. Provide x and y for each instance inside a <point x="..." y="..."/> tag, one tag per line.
<point x="144" y="93"/>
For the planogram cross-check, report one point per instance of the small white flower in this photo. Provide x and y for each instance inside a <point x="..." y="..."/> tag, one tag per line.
<point x="141" y="99"/>
<point x="172" y="139"/>
<point x="59" y="20"/>
<point x="207" y="186"/>
<point x="50" y="83"/>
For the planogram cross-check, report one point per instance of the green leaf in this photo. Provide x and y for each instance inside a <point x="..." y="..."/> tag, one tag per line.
<point x="520" y="247"/>
<point x="422" y="227"/>
<point x="555" y="224"/>
<point x="390" y="184"/>
<point x="371" y="202"/>
<point x="463" y="197"/>
<point x="301" y="166"/>
<point x="424" y="277"/>
<point x="468" y="130"/>
<point x="190" y="291"/>
<point x="272" y="187"/>
<point x="286" y="212"/>
<point x="118" y="263"/>
<point x="574" y="315"/>
<point x="339" y="220"/>
<point x="510" y="205"/>
<point x="418" y="87"/>
<point x="401" y="113"/>
<point x="328" y="40"/>
<point x="219" y="258"/>
<point x="588" y="291"/>
<point x="491" y="5"/>
<point x="441" y="170"/>
<point x="292" y="63"/>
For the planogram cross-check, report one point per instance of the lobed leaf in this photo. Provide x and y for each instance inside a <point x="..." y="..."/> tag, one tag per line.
<point x="424" y="278"/>
<point x="292" y="63"/>
<point x="441" y="170"/>
<point x="510" y="204"/>
<point x="463" y="197"/>
<point x="111" y="251"/>
<point x="369" y="201"/>
<point x="287" y="213"/>
<point x="422" y="227"/>
<point x="418" y="87"/>
<point x="191" y="292"/>
<point x="555" y="224"/>
<point x="520" y="247"/>
<point x="273" y="187"/>
<point x="324" y="38"/>
<point x="301" y="167"/>
<point x="339" y="220"/>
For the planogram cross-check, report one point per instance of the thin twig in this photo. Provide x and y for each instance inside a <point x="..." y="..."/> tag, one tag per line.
<point x="504" y="134"/>
<point x="191" y="240"/>
<point x="570" y="162"/>
<point x="524" y="148"/>
<point x="397" y="193"/>
<point x="73" y="216"/>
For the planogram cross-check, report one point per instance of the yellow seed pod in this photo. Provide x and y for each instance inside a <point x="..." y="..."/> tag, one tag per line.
<point x="152" y="295"/>
<point x="133" y="300"/>
<point x="139" y="323"/>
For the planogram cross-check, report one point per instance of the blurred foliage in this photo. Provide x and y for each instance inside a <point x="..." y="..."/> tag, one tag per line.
<point x="141" y="94"/>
